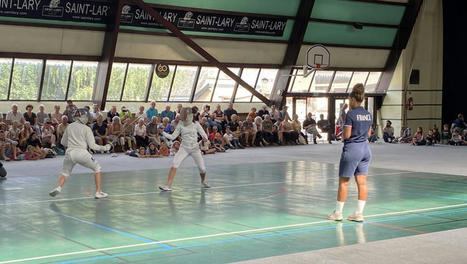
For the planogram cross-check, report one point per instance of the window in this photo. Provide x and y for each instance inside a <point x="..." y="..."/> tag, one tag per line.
<point x="5" y="72"/>
<point x="357" y="77"/>
<point x="249" y="75"/>
<point x="55" y="80"/>
<point x="372" y="82"/>
<point x="160" y="86"/>
<point x="116" y="81"/>
<point x="321" y="81"/>
<point x="224" y="87"/>
<point x="205" y="86"/>
<point x="302" y="83"/>
<point x="340" y="82"/>
<point x="136" y="82"/>
<point x="26" y="79"/>
<point x="183" y="83"/>
<point x="265" y="83"/>
<point x="83" y="80"/>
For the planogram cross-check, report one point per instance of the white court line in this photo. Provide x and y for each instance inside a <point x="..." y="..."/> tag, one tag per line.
<point x="214" y="187"/>
<point x="218" y="234"/>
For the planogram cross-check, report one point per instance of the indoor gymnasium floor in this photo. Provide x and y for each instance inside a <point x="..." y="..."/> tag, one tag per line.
<point x="254" y="210"/>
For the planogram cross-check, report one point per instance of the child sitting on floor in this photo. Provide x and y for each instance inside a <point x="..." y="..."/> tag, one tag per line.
<point x="205" y="147"/>
<point x="140" y="153"/>
<point x="152" y="151"/>
<point x="175" y="147"/>
<point x="164" y="150"/>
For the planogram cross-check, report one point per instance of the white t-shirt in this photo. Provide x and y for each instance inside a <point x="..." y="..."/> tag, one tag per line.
<point x="12" y="117"/>
<point x="139" y="131"/>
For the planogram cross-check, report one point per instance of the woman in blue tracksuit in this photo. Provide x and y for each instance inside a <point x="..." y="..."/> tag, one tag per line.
<point x="356" y="154"/>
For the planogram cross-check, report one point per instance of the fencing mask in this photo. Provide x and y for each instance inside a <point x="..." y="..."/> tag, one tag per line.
<point x="81" y="115"/>
<point x="186" y="115"/>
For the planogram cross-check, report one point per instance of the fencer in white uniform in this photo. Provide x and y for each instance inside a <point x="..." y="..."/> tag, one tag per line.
<point x="77" y="138"/>
<point x="189" y="132"/>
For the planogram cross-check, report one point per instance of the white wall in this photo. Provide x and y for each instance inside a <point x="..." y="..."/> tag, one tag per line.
<point x="50" y="40"/>
<point x="425" y="53"/>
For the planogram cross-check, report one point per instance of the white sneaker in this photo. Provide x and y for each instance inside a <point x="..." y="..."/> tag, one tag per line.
<point x="165" y="188"/>
<point x="205" y="185"/>
<point x="335" y="216"/>
<point x="356" y="217"/>
<point x="55" y="191"/>
<point x="100" y="195"/>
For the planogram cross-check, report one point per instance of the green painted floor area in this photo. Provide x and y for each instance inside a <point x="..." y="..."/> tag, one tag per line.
<point x="252" y="211"/>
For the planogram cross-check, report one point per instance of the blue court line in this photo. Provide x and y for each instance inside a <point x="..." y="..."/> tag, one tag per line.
<point x="275" y="234"/>
<point x="111" y="229"/>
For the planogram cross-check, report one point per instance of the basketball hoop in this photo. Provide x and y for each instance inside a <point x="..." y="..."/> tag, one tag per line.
<point x="317" y="57"/>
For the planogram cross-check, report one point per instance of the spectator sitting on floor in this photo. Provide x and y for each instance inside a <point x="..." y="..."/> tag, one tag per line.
<point x="31" y="117"/>
<point x="167" y="113"/>
<point x="61" y="129"/>
<point x="419" y="138"/>
<point x="152" y="151"/>
<point x="164" y="150"/>
<point x="456" y="139"/>
<point x="24" y="135"/>
<point x="218" y="143"/>
<point x="446" y="134"/>
<point x="36" y="143"/>
<point x="175" y="147"/>
<point x="388" y="132"/>
<point x="125" y="113"/>
<point x="406" y="136"/>
<point x="373" y="138"/>
<point x="48" y="134"/>
<point x="140" y="153"/>
<point x="13" y="132"/>
<point x="206" y="148"/>
<point x="297" y="127"/>
<point x="229" y="136"/>
<point x="325" y="126"/>
<point x="116" y="136"/>
<point x="229" y="112"/>
<point x="56" y="116"/>
<point x="459" y="123"/>
<point x="7" y="147"/>
<point x="128" y="132"/>
<point x="309" y="124"/>
<point x="42" y="116"/>
<point x="101" y="131"/>
<point x="436" y="135"/>
<point x="152" y="111"/>
<point x="14" y="115"/>
<point x="430" y="138"/>
<point x="268" y="129"/>
<point x="113" y="112"/>
<point x="248" y="131"/>
<point x="264" y="111"/>
<point x="141" y="135"/>
<point x="258" y="138"/>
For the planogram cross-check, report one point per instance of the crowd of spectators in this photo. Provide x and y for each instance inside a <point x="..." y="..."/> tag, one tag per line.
<point x="31" y="135"/>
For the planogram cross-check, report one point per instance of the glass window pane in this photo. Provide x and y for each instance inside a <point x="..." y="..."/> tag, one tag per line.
<point x="265" y="83"/>
<point x="372" y="82"/>
<point x="160" y="86"/>
<point x="249" y="75"/>
<point x="183" y="83"/>
<point x="294" y="72"/>
<point x="83" y="80"/>
<point x="116" y="81"/>
<point x="340" y="82"/>
<point x="206" y="82"/>
<point x="136" y="82"/>
<point x="224" y="87"/>
<point x="55" y="80"/>
<point x="26" y="79"/>
<point x="321" y="81"/>
<point x="302" y="83"/>
<point x="5" y="71"/>
<point x="358" y="77"/>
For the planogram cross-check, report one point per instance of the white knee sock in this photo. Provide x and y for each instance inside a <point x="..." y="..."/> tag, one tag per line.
<point x="339" y="207"/>
<point x="360" y="206"/>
